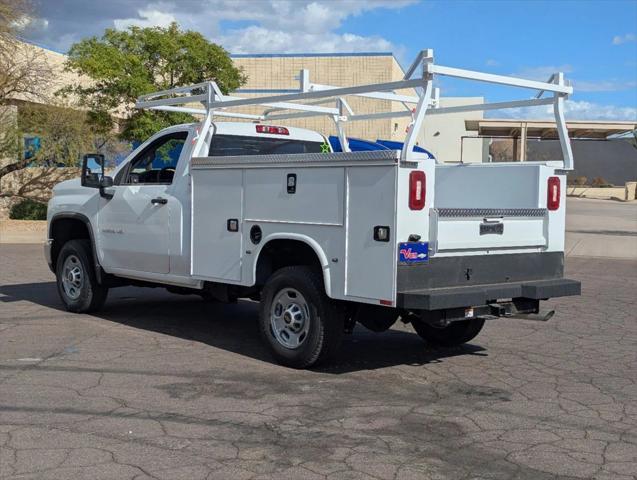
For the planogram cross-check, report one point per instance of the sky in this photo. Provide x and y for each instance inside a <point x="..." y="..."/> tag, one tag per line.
<point x="593" y="42"/>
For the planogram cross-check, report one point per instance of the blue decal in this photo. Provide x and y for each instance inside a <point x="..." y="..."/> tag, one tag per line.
<point x="413" y="252"/>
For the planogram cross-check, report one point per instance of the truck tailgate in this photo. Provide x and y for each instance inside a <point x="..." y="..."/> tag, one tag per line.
<point x="491" y="207"/>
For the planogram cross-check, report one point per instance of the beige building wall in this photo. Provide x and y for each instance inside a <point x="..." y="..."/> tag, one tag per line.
<point x="56" y="76"/>
<point x="280" y="72"/>
<point x="444" y="133"/>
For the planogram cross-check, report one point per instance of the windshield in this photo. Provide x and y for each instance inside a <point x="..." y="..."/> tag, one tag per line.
<point x="233" y="145"/>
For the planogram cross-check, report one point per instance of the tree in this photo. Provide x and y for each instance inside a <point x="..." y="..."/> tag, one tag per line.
<point x="11" y="12"/>
<point x="63" y="134"/>
<point x="126" y="64"/>
<point x="23" y="76"/>
<point x="27" y="110"/>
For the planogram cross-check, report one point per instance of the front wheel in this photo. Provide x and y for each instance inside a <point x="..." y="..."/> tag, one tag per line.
<point x="454" y="334"/>
<point x="300" y="324"/>
<point x="76" y="280"/>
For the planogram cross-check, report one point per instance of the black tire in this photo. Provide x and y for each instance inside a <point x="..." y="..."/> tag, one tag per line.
<point x="89" y="295"/>
<point x="455" y="334"/>
<point x="326" y="318"/>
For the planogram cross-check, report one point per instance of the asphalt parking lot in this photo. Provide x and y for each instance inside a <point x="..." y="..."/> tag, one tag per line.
<point x="169" y="387"/>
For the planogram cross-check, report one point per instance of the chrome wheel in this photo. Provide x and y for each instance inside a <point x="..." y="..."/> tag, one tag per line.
<point x="72" y="277"/>
<point x="290" y="318"/>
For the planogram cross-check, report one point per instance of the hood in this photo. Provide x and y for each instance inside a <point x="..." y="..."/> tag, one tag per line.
<point x="67" y="184"/>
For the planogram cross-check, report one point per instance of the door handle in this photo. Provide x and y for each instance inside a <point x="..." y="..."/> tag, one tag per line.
<point x="159" y="200"/>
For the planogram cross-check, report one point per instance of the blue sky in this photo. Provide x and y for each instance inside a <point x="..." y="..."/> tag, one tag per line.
<point x="593" y="42"/>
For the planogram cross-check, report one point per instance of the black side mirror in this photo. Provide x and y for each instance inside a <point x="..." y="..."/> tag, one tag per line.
<point x="106" y="182"/>
<point x="92" y="170"/>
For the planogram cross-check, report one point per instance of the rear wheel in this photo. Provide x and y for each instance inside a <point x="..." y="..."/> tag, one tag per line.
<point x="454" y="334"/>
<point x="76" y="280"/>
<point x="300" y="324"/>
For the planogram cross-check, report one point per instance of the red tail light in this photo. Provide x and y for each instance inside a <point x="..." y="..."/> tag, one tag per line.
<point x="553" y="193"/>
<point x="272" y="129"/>
<point x="417" y="190"/>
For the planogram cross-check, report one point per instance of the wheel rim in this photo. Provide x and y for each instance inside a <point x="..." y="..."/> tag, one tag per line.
<point x="72" y="277"/>
<point x="290" y="318"/>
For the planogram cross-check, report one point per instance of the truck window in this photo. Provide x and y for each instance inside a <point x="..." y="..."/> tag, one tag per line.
<point x="157" y="162"/>
<point x="233" y="145"/>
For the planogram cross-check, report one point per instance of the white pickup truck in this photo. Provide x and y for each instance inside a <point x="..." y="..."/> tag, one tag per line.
<point x="323" y="240"/>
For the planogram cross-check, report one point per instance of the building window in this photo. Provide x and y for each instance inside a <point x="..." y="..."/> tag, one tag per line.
<point x="31" y="146"/>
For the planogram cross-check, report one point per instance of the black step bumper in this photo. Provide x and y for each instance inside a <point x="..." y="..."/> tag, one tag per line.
<point x="472" y="280"/>
<point x="467" y="296"/>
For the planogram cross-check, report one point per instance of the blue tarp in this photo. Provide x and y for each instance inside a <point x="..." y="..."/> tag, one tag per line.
<point x="399" y="145"/>
<point x="359" y="145"/>
<point x="355" y="145"/>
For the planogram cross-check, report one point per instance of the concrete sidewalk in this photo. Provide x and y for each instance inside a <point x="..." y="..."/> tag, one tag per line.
<point x="22" y="231"/>
<point x="601" y="228"/>
<point x="594" y="228"/>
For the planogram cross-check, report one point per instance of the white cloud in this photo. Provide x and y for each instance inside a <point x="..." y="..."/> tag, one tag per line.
<point x="629" y="37"/>
<point x="255" y="39"/>
<point x="147" y="18"/>
<point x="583" y="110"/>
<point x="492" y="63"/>
<point x="573" y="110"/>
<point x="282" y="26"/>
<point x="28" y="22"/>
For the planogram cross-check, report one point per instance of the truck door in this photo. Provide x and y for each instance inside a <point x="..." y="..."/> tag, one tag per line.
<point x="134" y="224"/>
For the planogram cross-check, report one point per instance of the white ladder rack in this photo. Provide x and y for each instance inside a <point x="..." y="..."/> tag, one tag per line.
<point x="304" y="102"/>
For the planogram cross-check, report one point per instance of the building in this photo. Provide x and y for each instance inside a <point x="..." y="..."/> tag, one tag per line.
<point x="602" y="150"/>
<point x="271" y="74"/>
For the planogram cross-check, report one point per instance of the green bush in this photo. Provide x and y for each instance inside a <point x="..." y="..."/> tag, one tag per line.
<point x="28" y="210"/>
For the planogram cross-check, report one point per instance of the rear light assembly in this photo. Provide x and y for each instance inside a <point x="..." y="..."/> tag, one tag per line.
<point x="553" y="194"/>
<point x="417" y="190"/>
<point x="272" y="129"/>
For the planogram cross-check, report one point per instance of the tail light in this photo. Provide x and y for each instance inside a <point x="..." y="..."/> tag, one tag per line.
<point x="272" y="129"/>
<point x="417" y="190"/>
<point x="553" y="193"/>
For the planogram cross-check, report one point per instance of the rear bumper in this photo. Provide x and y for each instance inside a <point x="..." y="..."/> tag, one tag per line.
<point x="464" y="281"/>
<point x="453" y="297"/>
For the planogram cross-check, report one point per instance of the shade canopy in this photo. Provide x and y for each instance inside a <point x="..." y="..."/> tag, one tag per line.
<point x="547" y="128"/>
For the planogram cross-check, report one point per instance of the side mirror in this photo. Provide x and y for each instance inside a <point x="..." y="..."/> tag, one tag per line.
<point x="106" y="182"/>
<point x="92" y="170"/>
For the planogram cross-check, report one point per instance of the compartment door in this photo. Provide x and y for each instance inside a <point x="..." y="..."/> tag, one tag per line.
<point x="370" y="263"/>
<point x="216" y="198"/>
